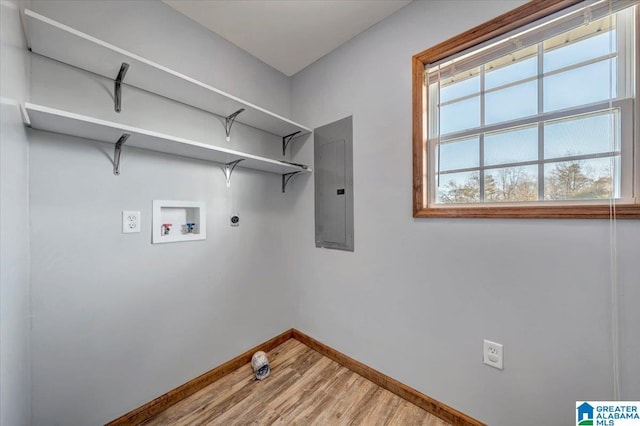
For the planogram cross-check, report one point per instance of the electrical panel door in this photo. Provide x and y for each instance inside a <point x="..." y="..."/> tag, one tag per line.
<point x="333" y="148"/>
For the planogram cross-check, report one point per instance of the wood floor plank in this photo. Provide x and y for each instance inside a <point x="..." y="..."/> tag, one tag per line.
<point x="266" y="391"/>
<point x="358" y="418"/>
<point x="329" y="396"/>
<point x="382" y="411"/>
<point x="300" y="359"/>
<point x="311" y="389"/>
<point x="350" y="394"/>
<point x="206" y="399"/>
<point x="235" y="414"/>
<point x="358" y="401"/>
<point x="304" y="388"/>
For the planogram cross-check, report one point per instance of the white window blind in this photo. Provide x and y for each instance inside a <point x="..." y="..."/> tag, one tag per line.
<point x="553" y="25"/>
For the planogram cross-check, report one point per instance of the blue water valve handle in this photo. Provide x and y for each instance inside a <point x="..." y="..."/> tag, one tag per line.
<point x="190" y="227"/>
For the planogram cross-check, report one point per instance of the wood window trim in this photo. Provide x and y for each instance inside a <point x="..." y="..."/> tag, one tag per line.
<point x="516" y="18"/>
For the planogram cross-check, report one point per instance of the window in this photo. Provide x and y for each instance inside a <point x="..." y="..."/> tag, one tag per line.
<point x="537" y="121"/>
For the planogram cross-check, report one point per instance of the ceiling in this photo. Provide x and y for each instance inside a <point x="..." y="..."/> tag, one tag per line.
<point x="287" y="34"/>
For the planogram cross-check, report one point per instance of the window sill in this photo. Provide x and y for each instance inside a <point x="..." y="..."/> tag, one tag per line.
<point x="622" y="211"/>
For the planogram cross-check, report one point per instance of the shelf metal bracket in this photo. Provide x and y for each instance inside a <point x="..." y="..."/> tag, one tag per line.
<point x="228" y="169"/>
<point x="228" y="122"/>
<point x="286" y="140"/>
<point x="117" y="95"/>
<point x="117" y="152"/>
<point x="286" y="178"/>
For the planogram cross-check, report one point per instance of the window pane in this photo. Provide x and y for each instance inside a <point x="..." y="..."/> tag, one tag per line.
<point x="460" y="115"/>
<point x="511" y="184"/>
<point x="458" y="89"/>
<point x="580" y="51"/>
<point x="458" y="188"/>
<point x="582" y="180"/>
<point x="580" y="86"/>
<point x="511" y="103"/>
<point x="460" y="154"/>
<point x="511" y="73"/>
<point x="511" y="146"/>
<point x="582" y="135"/>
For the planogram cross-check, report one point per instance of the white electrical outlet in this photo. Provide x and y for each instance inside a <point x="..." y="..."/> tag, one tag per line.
<point x="492" y="354"/>
<point x="130" y="222"/>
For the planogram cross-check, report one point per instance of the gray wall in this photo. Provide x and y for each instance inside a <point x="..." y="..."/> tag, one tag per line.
<point x="15" y="409"/>
<point x="118" y="321"/>
<point x="418" y="296"/>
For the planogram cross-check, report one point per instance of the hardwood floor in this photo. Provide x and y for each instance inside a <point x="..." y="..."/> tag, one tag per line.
<point x="304" y="388"/>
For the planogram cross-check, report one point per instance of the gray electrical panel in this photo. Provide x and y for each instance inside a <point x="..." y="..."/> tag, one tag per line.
<point x="333" y="174"/>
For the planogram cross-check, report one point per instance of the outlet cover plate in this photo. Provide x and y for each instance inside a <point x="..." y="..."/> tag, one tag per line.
<point x="492" y="354"/>
<point x="130" y="222"/>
